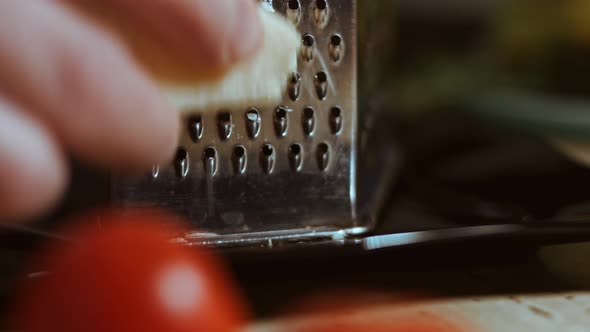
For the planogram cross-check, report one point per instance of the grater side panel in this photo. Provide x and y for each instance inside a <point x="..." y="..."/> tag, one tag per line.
<point x="267" y="189"/>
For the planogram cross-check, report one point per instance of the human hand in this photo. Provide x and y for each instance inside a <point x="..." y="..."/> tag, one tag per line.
<point x="68" y="85"/>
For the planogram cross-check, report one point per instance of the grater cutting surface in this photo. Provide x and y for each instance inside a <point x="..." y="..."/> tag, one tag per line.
<point x="294" y="172"/>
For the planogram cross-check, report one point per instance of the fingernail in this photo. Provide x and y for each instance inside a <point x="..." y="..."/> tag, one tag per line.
<point x="247" y="31"/>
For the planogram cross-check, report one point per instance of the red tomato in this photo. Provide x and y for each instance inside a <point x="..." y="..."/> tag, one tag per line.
<point x="129" y="277"/>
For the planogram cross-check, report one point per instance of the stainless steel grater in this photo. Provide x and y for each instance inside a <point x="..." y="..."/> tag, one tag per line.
<point x="288" y="174"/>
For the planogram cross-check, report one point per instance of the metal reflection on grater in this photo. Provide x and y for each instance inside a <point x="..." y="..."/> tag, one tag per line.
<point x="288" y="169"/>
<point x="225" y="126"/>
<point x="253" y="122"/>
<point x="239" y="159"/>
<point x="210" y="161"/>
<point x="267" y="158"/>
<point x="181" y="163"/>
<point x="281" y="121"/>
<point x="296" y="157"/>
<point x="321" y="85"/>
<point x="294" y="86"/>
<point x="323" y="156"/>
<point x="308" y="120"/>
<point x="321" y="13"/>
<point x="307" y="47"/>
<point x="336" y="48"/>
<point x="336" y="120"/>
<point x="155" y="171"/>
<point x="195" y="127"/>
<point x="294" y="11"/>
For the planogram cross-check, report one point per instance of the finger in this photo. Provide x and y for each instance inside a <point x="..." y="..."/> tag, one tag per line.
<point x="32" y="167"/>
<point x="216" y="33"/>
<point x="87" y="89"/>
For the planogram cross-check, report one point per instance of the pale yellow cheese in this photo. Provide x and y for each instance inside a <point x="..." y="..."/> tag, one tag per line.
<point x="259" y="81"/>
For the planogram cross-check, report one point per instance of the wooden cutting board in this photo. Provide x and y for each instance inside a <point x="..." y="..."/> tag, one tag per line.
<point x="569" y="312"/>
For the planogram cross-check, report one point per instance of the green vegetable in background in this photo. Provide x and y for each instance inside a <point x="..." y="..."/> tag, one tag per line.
<point x="530" y="69"/>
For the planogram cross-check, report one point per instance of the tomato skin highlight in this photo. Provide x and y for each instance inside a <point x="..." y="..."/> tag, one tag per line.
<point x="128" y="276"/>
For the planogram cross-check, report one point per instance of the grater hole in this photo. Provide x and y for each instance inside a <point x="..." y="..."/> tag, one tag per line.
<point x="294" y="86"/>
<point x="336" y="119"/>
<point x="323" y="156"/>
<point x="336" y="48"/>
<point x="267" y="150"/>
<point x="294" y="11"/>
<point x="224" y="117"/>
<point x="336" y="40"/>
<point x="224" y="125"/>
<point x="321" y="85"/>
<point x="253" y="115"/>
<point x="294" y="4"/>
<point x="281" y="121"/>
<point x="295" y="78"/>
<point x="308" y="120"/>
<point x="253" y="122"/>
<point x="321" y="13"/>
<point x="295" y="149"/>
<point x="181" y="155"/>
<point x="295" y="157"/>
<point x="210" y="153"/>
<point x="239" y="151"/>
<point x="210" y="161"/>
<point x="281" y="113"/>
<point x="308" y="40"/>
<point x="267" y="158"/>
<point x="195" y="119"/>
<point x="336" y="112"/>
<point x="181" y="163"/>
<point x="195" y="127"/>
<point x="321" y="4"/>
<point x="239" y="159"/>
<point x="155" y="171"/>
<point x="307" y="51"/>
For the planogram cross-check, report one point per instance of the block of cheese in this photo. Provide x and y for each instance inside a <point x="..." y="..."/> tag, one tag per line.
<point x="258" y="81"/>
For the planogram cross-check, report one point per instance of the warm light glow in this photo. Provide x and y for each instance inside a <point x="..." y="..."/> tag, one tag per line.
<point x="180" y="288"/>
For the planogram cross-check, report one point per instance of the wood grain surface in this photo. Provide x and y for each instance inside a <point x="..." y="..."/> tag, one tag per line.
<point x="567" y="312"/>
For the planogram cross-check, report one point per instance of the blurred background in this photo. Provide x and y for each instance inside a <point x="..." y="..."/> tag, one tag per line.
<point x="487" y="103"/>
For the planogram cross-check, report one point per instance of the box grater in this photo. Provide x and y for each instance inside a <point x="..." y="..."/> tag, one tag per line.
<point x="299" y="172"/>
